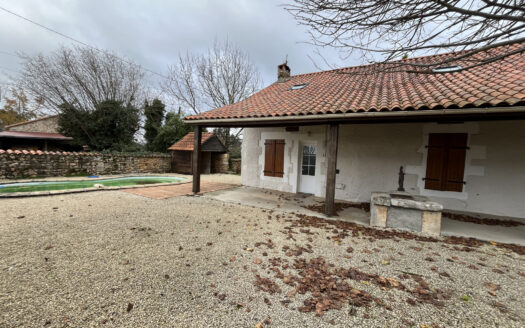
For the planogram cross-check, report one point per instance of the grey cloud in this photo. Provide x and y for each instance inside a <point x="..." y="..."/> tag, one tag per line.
<point x="153" y="32"/>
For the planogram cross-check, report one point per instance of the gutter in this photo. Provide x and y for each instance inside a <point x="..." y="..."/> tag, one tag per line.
<point x="365" y="115"/>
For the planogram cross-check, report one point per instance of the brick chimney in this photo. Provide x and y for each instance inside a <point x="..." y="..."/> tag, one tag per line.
<point x="283" y="72"/>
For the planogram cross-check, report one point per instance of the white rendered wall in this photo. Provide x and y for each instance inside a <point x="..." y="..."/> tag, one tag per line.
<point x="369" y="157"/>
<point x="253" y="157"/>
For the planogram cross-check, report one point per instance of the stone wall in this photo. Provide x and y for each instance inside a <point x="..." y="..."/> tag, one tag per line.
<point x="46" y="124"/>
<point x="25" y="164"/>
<point x="236" y="165"/>
<point x="220" y="163"/>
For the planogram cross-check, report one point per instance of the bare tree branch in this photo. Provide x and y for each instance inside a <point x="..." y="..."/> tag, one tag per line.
<point x="223" y="75"/>
<point x="385" y="30"/>
<point x="82" y="77"/>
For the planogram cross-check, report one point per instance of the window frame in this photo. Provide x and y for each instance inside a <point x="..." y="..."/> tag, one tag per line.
<point x="309" y="165"/>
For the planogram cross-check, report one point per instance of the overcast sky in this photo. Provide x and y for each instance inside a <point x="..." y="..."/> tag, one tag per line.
<point x="153" y="32"/>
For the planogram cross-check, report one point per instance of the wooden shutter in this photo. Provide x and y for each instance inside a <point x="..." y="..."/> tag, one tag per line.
<point x="279" y="158"/>
<point x="269" y="157"/>
<point x="435" y="161"/>
<point x="274" y="158"/>
<point x="455" y="164"/>
<point x="446" y="161"/>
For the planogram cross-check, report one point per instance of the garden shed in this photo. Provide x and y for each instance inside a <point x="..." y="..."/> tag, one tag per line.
<point x="214" y="156"/>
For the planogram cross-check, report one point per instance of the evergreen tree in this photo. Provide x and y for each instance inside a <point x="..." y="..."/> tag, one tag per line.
<point x="172" y="131"/>
<point x="110" y="126"/>
<point x="154" y="117"/>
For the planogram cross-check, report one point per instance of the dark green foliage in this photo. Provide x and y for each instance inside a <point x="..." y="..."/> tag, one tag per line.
<point x="235" y="147"/>
<point x="110" y="126"/>
<point x="232" y="142"/>
<point x="172" y="131"/>
<point x="76" y="124"/>
<point x="154" y="113"/>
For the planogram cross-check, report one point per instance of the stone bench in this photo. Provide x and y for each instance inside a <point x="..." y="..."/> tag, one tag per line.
<point x="404" y="211"/>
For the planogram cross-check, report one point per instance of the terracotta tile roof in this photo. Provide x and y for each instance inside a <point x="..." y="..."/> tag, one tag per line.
<point x="71" y="153"/>
<point x="42" y="152"/>
<point x="186" y="143"/>
<point x="369" y="88"/>
<point x="33" y="135"/>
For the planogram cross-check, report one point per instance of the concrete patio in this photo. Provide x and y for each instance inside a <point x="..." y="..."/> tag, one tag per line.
<point x="294" y="203"/>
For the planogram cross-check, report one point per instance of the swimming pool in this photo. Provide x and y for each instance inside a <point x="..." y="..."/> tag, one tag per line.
<point x="81" y="184"/>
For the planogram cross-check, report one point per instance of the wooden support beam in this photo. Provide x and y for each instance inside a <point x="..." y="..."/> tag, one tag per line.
<point x="331" y="156"/>
<point x="196" y="162"/>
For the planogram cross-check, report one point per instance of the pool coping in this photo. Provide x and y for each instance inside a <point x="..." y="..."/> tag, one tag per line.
<point x="86" y="178"/>
<point x="80" y="190"/>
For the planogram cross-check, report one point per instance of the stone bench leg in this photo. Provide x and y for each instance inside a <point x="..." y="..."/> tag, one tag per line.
<point x="431" y="223"/>
<point x="379" y="214"/>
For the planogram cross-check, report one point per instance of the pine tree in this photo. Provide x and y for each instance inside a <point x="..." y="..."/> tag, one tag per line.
<point x="154" y="117"/>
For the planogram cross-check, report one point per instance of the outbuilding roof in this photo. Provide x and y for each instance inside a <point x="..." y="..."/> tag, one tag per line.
<point x="379" y="88"/>
<point x="33" y="135"/>
<point x="31" y="121"/>
<point x="186" y="143"/>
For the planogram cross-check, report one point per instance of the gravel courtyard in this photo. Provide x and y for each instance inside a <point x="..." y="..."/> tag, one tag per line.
<point x="114" y="259"/>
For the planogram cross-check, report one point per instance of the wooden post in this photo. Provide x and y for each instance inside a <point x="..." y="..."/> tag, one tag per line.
<point x="331" y="156"/>
<point x="196" y="162"/>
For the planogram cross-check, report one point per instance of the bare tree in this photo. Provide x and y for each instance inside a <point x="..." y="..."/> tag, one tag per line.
<point x="82" y="77"/>
<point x="226" y="75"/>
<point x="394" y="29"/>
<point x="183" y="83"/>
<point x="18" y="107"/>
<point x="223" y="75"/>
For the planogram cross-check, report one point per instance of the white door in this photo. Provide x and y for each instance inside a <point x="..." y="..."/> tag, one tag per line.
<point x="308" y="169"/>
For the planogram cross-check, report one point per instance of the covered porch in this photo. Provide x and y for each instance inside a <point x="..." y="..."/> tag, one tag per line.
<point x="359" y="154"/>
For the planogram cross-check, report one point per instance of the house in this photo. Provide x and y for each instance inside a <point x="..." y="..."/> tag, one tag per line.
<point x="459" y="135"/>
<point x="214" y="157"/>
<point x="39" y="134"/>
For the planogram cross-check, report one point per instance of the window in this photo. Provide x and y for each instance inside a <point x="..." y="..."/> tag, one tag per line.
<point x="308" y="165"/>
<point x="298" y="86"/>
<point x="274" y="158"/>
<point x="447" y="69"/>
<point x="446" y="161"/>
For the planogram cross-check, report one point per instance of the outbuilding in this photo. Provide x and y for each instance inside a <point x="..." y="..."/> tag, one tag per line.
<point x="213" y="159"/>
<point x="39" y="134"/>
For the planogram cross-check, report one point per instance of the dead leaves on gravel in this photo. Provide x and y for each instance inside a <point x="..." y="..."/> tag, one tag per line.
<point x="338" y="207"/>
<point x="485" y="221"/>
<point x="329" y="288"/>
<point x="345" y="229"/>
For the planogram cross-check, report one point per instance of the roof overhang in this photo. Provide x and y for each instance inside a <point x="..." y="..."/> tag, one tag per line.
<point x="439" y="115"/>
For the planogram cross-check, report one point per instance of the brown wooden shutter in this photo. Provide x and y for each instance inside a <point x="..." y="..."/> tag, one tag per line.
<point x="269" y="157"/>
<point x="279" y="158"/>
<point x="435" y="161"/>
<point x="455" y="162"/>
<point x="446" y="161"/>
<point x="274" y="158"/>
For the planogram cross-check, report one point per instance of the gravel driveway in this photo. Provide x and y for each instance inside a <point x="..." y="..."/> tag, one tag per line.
<point x="113" y="259"/>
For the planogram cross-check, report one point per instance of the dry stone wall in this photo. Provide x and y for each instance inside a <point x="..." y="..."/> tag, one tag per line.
<point x="220" y="163"/>
<point x="236" y="165"/>
<point x="26" y="164"/>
